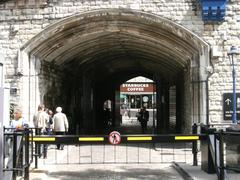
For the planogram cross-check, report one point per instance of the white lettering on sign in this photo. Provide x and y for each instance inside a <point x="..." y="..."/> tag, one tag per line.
<point x="135" y="89"/>
<point x="135" y="85"/>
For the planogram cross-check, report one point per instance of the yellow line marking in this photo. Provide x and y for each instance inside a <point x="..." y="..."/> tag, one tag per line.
<point x="146" y="138"/>
<point x="91" y="139"/>
<point x="186" y="137"/>
<point x="42" y="139"/>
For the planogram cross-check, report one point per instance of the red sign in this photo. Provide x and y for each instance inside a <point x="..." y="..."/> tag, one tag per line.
<point x="137" y="87"/>
<point x="114" y="138"/>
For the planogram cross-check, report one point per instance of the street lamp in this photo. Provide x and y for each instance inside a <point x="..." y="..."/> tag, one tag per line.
<point x="233" y="52"/>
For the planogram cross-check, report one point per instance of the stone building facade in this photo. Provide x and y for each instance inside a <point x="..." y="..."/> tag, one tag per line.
<point x="36" y="38"/>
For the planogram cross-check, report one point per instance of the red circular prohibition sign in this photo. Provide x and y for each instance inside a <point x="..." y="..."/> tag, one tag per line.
<point x="114" y="138"/>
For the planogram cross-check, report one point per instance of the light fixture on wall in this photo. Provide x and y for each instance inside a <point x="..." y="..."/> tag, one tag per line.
<point x="231" y="54"/>
<point x="19" y="74"/>
<point x="12" y="30"/>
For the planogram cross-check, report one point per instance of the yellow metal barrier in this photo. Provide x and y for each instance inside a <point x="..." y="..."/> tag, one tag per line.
<point x="186" y="137"/>
<point x="42" y="139"/>
<point x="145" y="138"/>
<point x="91" y="139"/>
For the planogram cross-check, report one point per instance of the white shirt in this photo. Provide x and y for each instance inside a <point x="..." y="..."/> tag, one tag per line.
<point x="20" y="123"/>
<point x="40" y="119"/>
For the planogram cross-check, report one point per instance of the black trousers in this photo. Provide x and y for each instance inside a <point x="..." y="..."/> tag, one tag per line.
<point x="45" y="146"/>
<point x="144" y="126"/>
<point x="60" y="145"/>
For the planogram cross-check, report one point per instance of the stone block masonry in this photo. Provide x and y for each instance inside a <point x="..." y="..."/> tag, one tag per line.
<point x="21" y="20"/>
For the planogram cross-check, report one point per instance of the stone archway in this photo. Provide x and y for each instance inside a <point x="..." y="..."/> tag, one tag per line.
<point x="102" y="43"/>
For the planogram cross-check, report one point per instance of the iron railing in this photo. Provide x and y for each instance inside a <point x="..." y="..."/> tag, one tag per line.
<point x="16" y="154"/>
<point x="136" y="153"/>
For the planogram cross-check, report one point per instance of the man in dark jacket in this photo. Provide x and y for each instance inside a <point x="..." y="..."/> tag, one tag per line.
<point x="143" y="118"/>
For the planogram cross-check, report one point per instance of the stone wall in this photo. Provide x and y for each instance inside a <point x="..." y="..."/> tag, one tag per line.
<point x="221" y="36"/>
<point x="23" y="19"/>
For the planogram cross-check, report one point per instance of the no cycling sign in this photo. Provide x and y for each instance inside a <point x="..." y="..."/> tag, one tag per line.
<point x="114" y="138"/>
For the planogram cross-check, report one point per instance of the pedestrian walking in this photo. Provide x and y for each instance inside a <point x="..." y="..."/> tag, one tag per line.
<point x="60" y="124"/>
<point x="48" y="130"/>
<point x="143" y="118"/>
<point x="107" y="118"/>
<point x="39" y="122"/>
<point x="40" y="119"/>
<point x="49" y="123"/>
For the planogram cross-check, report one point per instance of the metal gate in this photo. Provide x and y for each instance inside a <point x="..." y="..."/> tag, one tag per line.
<point x="218" y="148"/>
<point x="132" y="149"/>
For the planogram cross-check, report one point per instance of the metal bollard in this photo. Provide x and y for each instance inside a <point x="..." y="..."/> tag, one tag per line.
<point x="221" y="158"/>
<point x="194" y="146"/>
<point x="37" y="149"/>
<point x="27" y="163"/>
<point x="14" y="164"/>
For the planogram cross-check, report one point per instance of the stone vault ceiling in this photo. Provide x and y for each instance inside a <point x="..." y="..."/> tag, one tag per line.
<point x="116" y="40"/>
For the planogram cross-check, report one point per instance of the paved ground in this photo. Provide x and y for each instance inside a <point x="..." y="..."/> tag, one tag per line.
<point x="121" y="162"/>
<point x="196" y="173"/>
<point x="60" y="164"/>
<point x="123" y="153"/>
<point x="106" y="172"/>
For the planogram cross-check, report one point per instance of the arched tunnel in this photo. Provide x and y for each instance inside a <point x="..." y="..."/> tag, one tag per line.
<point x="81" y="61"/>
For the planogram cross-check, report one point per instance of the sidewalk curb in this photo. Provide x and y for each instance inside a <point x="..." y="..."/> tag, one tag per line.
<point x="181" y="171"/>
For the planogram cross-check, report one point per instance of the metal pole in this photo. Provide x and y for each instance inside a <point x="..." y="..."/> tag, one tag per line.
<point x="153" y="102"/>
<point x="234" y="116"/>
<point x="36" y="155"/>
<point x="194" y="146"/>
<point x="233" y="52"/>
<point x="14" y="163"/>
<point x="221" y="157"/>
<point x="27" y="163"/>
<point x="1" y="117"/>
<point x="1" y="132"/>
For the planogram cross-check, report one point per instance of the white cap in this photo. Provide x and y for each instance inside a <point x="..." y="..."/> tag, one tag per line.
<point x="59" y="109"/>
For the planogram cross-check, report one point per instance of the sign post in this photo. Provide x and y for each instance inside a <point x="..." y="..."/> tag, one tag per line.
<point x="228" y="106"/>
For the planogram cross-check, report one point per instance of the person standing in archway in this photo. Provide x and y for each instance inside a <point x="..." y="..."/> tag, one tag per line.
<point x="107" y="118"/>
<point x="143" y="118"/>
<point x="40" y="119"/>
<point x="48" y="130"/>
<point x="60" y="124"/>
